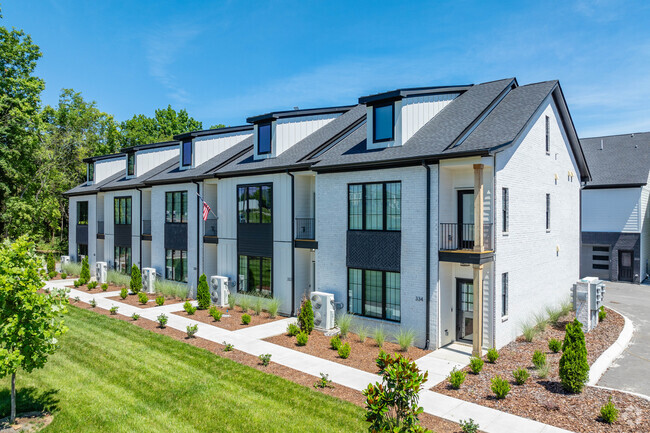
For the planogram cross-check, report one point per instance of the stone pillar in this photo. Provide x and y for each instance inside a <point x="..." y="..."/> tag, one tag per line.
<point x="478" y="311"/>
<point x="478" y="207"/>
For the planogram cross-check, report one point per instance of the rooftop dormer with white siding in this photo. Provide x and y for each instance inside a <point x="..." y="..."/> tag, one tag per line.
<point x="102" y="167"/>
<point x="144" y="158"/>
<point x="200" y="146"/>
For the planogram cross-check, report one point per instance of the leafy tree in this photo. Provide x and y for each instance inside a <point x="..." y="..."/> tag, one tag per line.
<point x="306" y="316"/>
<point x="218" y="126"/>
<point x="136" y="279"/>
<point x="50" y="263"/>
<point x="392" y="406"/>
<point x="166" y="123"/>
<point x="30" y="322"/>
<point x="84" y="276"/>
<point x="574" y="368"/>
<point x="203" y="293"/>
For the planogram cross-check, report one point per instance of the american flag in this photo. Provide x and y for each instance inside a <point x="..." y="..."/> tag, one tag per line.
<point x="206" y="211"/>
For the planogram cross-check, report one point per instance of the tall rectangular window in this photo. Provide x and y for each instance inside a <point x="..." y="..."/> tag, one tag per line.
<point x="255" y="275"/>
<point x="548" y="134"/>
<point x="504" y="294"/>
<point x="504" y="210"/>
<point x="82" y="212"/>
<point x="255" y="204"/>
<point x="176" y="265"/>
<point x="90" y="171"/>
<point x="374" y="294"/>
<point x="82" y="250"/>
<point x="264" y="138"/>
<point x="383" y="122"/>
<point x="176" y="207"/>
<point x="548" y="211"/>
<point x="186" y="151"/>
<point x="375" y="206"/>
<point x="130" y="164"/>
<point x="122" y="259"/>
<point x="122" y="210"/>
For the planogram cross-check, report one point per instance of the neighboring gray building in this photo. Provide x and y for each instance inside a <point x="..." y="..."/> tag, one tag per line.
<point x="615" y="214"/>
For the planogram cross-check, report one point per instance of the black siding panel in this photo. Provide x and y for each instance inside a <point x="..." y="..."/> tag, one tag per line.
<point x="376" y="250"/>
<point x="255" y="239"/>
<point x="82" y="234"/>
<point x="176" y="236"/>
<point x="123" y="235"/>
<point x="616" y="241"/>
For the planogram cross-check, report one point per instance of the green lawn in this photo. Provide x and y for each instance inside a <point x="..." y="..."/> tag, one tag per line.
<point x="110" y="376"/>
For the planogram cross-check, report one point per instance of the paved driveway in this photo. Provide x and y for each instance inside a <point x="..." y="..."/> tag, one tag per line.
<point x="631" y="371"/>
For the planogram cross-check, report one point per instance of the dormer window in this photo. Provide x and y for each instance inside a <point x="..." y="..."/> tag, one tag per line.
<point x="90" y="172"/>
<point x="130" y="164"/>
<point x="383" y="121"/>
<point x="263" y="138"/>
<point x="186" y="153"/>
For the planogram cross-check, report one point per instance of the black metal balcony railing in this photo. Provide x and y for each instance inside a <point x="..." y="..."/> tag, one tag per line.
<point x="461" y="237"/>
<point x="146" y="227"/>
<point x="100" y="227"/>
<point x="211" y="227"/>
<point x="305" y="228"/>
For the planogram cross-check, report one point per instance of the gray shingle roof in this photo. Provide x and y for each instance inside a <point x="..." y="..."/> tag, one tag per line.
<point x="84" y="188"/>
<point x="624" y="159"/>
<point x="136" y="182"/>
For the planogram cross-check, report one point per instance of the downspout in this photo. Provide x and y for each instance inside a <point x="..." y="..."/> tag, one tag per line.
<point x="495" y="313"/>
<point x="293" y="250"/>
<point x="428" y="258"/>
<point x="140" y="237"/>
<point x="198" y="231"/>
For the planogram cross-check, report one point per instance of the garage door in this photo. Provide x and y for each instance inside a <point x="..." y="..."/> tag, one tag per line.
<point x="598" y="261"/>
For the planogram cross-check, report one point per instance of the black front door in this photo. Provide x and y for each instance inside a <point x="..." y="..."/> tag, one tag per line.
<point x="625" y="265"/>
<point x="464" y="309"/>
<point x="466" y="219"/>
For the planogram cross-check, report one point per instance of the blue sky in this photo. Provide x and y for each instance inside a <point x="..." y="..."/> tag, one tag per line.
<point x="224" y="61"/>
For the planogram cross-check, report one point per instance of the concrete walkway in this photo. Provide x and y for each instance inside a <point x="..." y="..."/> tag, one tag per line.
<point x="442" y="406"/>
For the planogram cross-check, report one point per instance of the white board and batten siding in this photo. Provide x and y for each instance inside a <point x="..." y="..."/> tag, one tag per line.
<point x="616" y="210"/>
<point x="210" y="146"/>
<point x="108" y="167"/>
<point x="146" y="160"/>
<point x="92" y="228"/>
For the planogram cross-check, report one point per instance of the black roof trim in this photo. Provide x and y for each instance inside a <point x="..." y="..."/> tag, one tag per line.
<point x="298" y="113"/>
<point x="101" y="157"/>
<point x="216" y="131"/>
<point x="150" y="146"/>
<point x="614" y="186"/>
<point x="267" y="170"/>
<point x="415" y="91"/>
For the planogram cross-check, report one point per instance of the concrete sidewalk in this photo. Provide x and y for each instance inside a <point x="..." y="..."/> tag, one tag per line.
<point x="442" y="406"/>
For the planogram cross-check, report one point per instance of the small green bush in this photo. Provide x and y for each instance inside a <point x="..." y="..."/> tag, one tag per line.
<point x="456" y="378"/>
<point x="135" y="316"/>
<point x="189" y="308"/>
<point x="574" y="368"/>
<point x="344" y="350"/>
<point x="539" y="358"/>
<point x="543" y="371"/>
<point x="244" y="303"/>
<point x="245" y="319"/>
<point x="143" y="298"/>
<point x="77" y="299"/>
<point x="257" y="306"/>
<point x="136" y="279"/>
<point x="203" y="293"/>
<point x="500" y="387"/>
<point x="114" y="309"/>
<point x="272" y="307"/>
<point x="468" y="426"/>
<point x="492" y="355"/>
<point x="85" y="271"/>
<point x="335" y="342"/>
<point x="362" y="333"/>
<point x="104" y="287"/>
<point x="216" y="314"/>
<point x="51" y="275"/>
<point x="76" y="283"/>
<point x="602" y="314"/>
<point x="476" y="364"/>
<point x="160" y="300"/>
<point x="50" y="264"/>
<point x="521" y="375"/>
<point x="323" y="382"/>
<point x="306" y="317"/>
<point x="302" y="338"/>
<point x="554" y="345"/>
<point x="293" y="330"/>
<point x="382" y="360"/>
<point x="232" y="301"/>
<point x="609" y="412"/>
<point x="405" y="338"/>
<point x="192" y="330"/>
<point x="227" y="347"/>
<point x="92" y="285"/>
<point x="265" y="359"/>
<point x="162" y="320"/>
<point x="64" y="276"/>
<point x="124" y="293"/>
<point x="379" y="336"/>
<point x="93" y="303"/>
<point x="344" y="323"/>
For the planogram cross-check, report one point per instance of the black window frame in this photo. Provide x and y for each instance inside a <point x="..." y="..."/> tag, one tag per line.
<point x="169" y="214"/>
<point x="259" y="137"/>
<point x="246" y="187"/>
<point x="383" y="294"/>
<point x="127" y="215"/>
<point x="261" y="270"/>
<point x="90" y="172"/>
<point x="505" y="211"/>
<point x="184" y="151"/>
<point x="82" y="221"/>
<point x="130" y="164"/>
<point x="384" y="206"/>
<point x="548" y="212"/>
<point x="117" y="253"/>
<point x="184" y="269"/>
<point x="548" y="135"/>
<point x="374" y="122"/>
<point x="80" y="250"/>
<point x="505" y="286"/>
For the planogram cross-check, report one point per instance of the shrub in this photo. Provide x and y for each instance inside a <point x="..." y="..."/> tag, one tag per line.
<point x="393" y="404"/>
<point x="245" y="319"/>
<point x="124" y="293"/>
<point x="84" y="275"/>
<point x="554" y="314"/>
<point x="203" y="293"/>
<point x="456" y="378"/>
<point x="135" y="316"/>
<point x="160" y="300"/>
<point x="162" y="320"/>
<point x="71" y="268"/>
<point x="192" y="330"/>
<point x="574" y="369"/>
<point x="64" y="276"/>
<point x="77" y="299"/>
<point x="382" y="360"/>
<point x="323" y="382"/>
<point x="468" y="426"/>
<point x="492" y="355"/>
<point x="543" y="371"/>
<point x="362" y="332"/>
<point x="117" y="278"/>
<point x="143" y="298"/>
<point x="380" y="336"/>
<point x="171" y="288"/>
<point x="93" y="303"/>
<point x="293" y="330"/>
<point x="257" y="306"/>
<point x="265" y="359"/>
<point x="529" y="331"/>
<point x="302" y="338"/>
<point x="344" y="323"/>
<point x="554" y="345"/>
<point x="540" y="322"/>
<point x="539" y="358"/>
<point x="93" y="285"/>
<point x="76" y="283"/>
<point x="521" y="375"/>
<point x="344" y="350"/>
<point x="476" y="364"/>
<point x="189" y="308"/>
<point x="609" y="412"/>
<point x="216" y="314"/>
<point x="273" y="307"/>
<point x="405" y="338"/>
<point x="335" y="342"/>
<point x="114" y="309"/>
<point x="602" y="314"/>
<point x="50" y="263"/>
<point x="227" y="347"/>
<point x="104" y="287"/>
<point x="232" y="301"/>
<point x="51" y="275"/>
<point x="306" y="317"/>
<point x="136" y="279"/>
<point x="500" y="387"/>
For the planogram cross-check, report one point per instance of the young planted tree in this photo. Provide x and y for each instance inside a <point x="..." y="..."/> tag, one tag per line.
<point x="574" y="368"/>
<point x="30" y="322"/>
<point x="136" y="279"/>
<point x="306" y="316"/>
<point x="50" y="263"/>
<point x="84" y="275"/>
<point x="203" y="293"/>
<point x="392" y="406"/>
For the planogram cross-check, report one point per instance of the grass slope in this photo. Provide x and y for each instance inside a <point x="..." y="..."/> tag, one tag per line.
<point x="112" y="376"/>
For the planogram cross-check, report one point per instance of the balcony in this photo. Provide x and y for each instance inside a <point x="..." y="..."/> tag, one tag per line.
<point x="210" y="231"/>
<point x="100" y="229"/>
<point x="458" y="243"/>
<point x="305" y="233"/>
<point x="146" y="230"/>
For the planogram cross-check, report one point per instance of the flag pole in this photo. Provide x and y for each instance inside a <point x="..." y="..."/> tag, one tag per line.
<point x="215" y="215"/>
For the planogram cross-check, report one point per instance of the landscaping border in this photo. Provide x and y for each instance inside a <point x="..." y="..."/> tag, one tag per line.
<point x="607" y="358"/>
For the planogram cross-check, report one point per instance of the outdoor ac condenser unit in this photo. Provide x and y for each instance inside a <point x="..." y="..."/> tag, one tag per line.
<point x="65" y="260"/>
<point x="149" y="280"/>
<point x="323" y="305"/>
<point x="100" y="272"/>
<point x="219" y="290"/>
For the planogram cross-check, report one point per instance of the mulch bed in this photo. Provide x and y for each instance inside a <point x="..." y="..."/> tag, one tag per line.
<point x="436" y="424"/>
<point x="545" y="400"/>
<point x="133" y="300"/>
<point x="98" y="289"/>
<point x="26" y="422"/>
<point x="232" y="323"/>
<point x="362" y="355"/>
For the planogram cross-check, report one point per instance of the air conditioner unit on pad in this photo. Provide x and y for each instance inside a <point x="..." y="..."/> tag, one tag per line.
<point x="323" y="305"/>
<point x="149" y="280"/>
<point x="101" y="272"/>
<point x="219" y="290"/>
